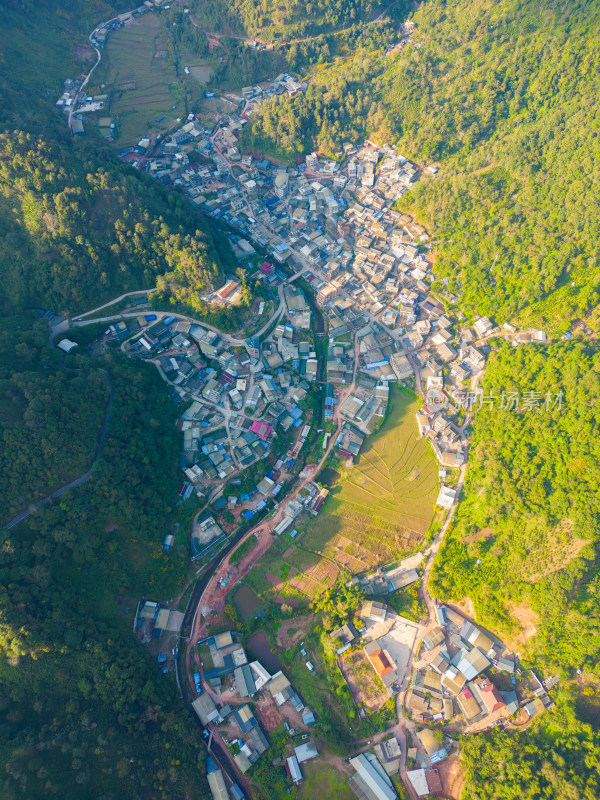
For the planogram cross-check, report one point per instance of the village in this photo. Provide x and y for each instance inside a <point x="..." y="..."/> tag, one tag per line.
<point x="450" y="678"/>
<point x="346" y="286"/>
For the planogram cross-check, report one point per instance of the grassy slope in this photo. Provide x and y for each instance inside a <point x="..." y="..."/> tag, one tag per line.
<point x="385" y="503"/>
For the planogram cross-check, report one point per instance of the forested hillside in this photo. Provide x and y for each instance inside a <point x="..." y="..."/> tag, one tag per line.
<point x="42" y="43"/>
<point x="558" y="759"/>
<point x="76" y="232"/>
<point x="50" y="414"/>
<point x="290" y="20"/>
<point x="504" y="95"/>
<point x="525" y="536"/>
<point x="84" y="711"/>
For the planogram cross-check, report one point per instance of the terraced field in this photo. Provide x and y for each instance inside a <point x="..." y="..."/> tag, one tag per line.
<point x="143" y="85"/>
<point x="377" y="510"/>
<point x="383" y="505"/>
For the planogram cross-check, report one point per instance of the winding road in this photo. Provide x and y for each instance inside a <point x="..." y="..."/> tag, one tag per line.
<point x="82" y="478"/>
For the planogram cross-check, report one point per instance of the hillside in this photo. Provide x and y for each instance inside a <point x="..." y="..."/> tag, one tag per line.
<point x="77" y="231"/>
<point x="522" y="546"/>
<point x="85" y="712"/>
<point x="271" y="21"/>
<point x="50" y="416"/>
<point x="504" y="96"/>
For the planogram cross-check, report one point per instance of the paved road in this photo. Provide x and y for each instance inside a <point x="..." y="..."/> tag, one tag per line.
<point x="80" y="321"/>
<point x="82" y="478"/>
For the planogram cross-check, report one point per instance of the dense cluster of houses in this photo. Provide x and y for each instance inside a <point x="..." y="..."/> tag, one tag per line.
<point x="230" y="675"/>
<point x="237" y="398"/>
<point x="460" y="673"/>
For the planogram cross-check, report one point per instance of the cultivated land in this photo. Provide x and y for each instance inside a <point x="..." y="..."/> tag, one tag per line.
<point x="384" y="504"/>
<point x="144" y="87"/>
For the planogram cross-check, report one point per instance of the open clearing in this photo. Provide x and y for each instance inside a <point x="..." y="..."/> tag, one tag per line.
<point x="143" y="84"/>
<point x="366" y="688"/>
<point x="384" y="504"/>
<point x="323" y="781"/>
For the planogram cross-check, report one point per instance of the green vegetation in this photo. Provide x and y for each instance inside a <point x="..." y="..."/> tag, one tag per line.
<point x="242" y="551"/>
<point x="83" y="708"/>
<point x="526" y="529"/>
<point x="558" y="758"/>
<point x="337" y="107"/>
<point x="288" y="21"/>
<point x="384" y="504"/>
<point x="80" y="232"/>
<point x="50" y="417"/>
<point x="480" y="94"/>
<point x="43" y="43"/>
<point x="323" y="781"/>
<point x="407" y="603"/>
<point x="138" y="71"/>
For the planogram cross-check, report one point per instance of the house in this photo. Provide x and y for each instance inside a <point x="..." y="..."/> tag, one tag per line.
<point x="373" y="610"/>
<point x="280" y="688"/>
<point x="345" y="634"/>
<point x="470" y="633"/>
<point x="244" y="680"/>
<point x="453" y="680"/>
<point x="471" y="663"/>
<point x="488" y="694"/>
<point x="401" y="366"/>
<point x="505" y="664"/>
<point x="446" y="497"/>
<point x="433" y="638"/>
<point x="258" y="743"/>
<point x="261" y="429"/>
<point x="306" y="751"/>
<point x="260" y="674"/>
<point x="293" y="770"/>
<point x="382" y="663"/>
<point x="67" y="345"/>
<point x="216" y="781"/>
<point x="370" y="782"/>
<point x="206" y="709"/>
<point x="468" y="705"/>
<point x="389" y="753"/>
<point x="425" y="782"/>
<point x="245" y="718"/>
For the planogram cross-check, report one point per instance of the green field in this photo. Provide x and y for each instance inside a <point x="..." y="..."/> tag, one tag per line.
<point x="378" y="510"/>
<point x="143" y="87"/>
<point x="323" y="781"/>
<point x="383" y="505"/>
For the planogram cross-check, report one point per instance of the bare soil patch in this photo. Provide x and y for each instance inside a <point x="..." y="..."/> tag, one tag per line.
<point x="362" y="680"/>
<point x="83" y="53"/>
<point x="526" y="619"/>
<point x="467" y="607"/>
<point x="452" y="776"/>
<point x="480" y="536"/>
<point x="299" y="626"/>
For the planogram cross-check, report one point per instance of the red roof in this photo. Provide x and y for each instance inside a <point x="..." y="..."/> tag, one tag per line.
<point x="261" y="429"/>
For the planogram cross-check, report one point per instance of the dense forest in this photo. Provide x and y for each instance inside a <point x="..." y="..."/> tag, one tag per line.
<point x="286" y="21"/>
<point x="504" y="96"/>
<point x="84" y="711"/>
<point x="75" y="231"/>
<point x="50" y="414"/>
<point x="524" y="539"/>
<point x="559" y="758"/>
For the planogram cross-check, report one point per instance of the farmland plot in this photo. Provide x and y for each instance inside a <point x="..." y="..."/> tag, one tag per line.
<point x="384" y="504"/>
